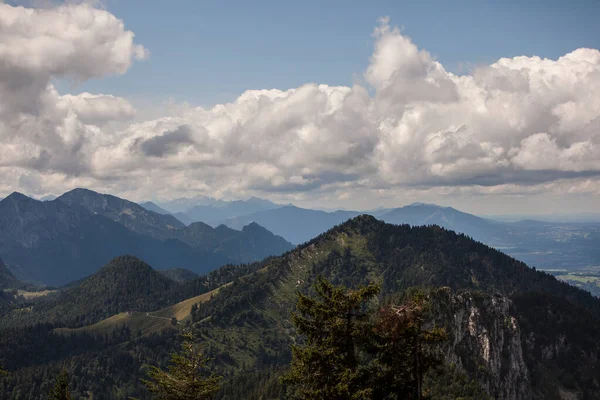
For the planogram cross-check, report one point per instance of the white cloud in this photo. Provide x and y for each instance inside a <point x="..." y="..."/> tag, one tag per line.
<point x="517" y="124"/>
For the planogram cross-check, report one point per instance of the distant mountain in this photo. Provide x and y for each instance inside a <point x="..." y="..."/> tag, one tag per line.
<point x="127" y="213"/>
<point x="538" y="243"/>
<point x="183" y="217"/>
<point x="417" y="214"/>
<point x="150" y="206"/>
<point x="295" y="224"/>
<point x="179" y="274"/>
<point x="252" y="243"/>
<point x="212" y="211"/>
<point x="185" y="203"/>
<point x="55" y="243"/>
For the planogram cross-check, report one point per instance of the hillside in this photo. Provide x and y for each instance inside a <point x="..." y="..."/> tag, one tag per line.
<point x="179" y="274"/>
<point x="151" y="206"/>
<point x="400" y="257"/>
<point x="7" y="279"/>
<point x="515" y="332"/>
<point x="125" y="284"/>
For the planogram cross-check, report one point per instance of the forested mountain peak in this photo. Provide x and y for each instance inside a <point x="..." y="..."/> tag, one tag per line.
<point x="501" y="293"/>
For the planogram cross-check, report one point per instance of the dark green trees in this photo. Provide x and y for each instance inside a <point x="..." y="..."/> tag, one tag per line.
<point x="185" y="378"/>
<point x="335" y="326"/>
<point x="403" y="350"/>
<point x="61" y="391"/>
<point x="353" y="352"/>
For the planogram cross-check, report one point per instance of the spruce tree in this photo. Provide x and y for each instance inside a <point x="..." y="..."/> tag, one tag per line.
<point x="333" y="324"/>
<point x="61" y="391"/>
<point x="185" y="378"/>
<point x="403" y="350"/>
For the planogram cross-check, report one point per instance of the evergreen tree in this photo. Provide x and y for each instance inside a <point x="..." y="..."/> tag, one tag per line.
<point x="334" y="325"/>
<point x="185" y="378"/>
<point x="403" y="351"/>
<point x="61" y="391"/>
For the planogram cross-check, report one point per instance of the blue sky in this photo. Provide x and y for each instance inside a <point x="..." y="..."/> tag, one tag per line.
<point x="207" y="52"/>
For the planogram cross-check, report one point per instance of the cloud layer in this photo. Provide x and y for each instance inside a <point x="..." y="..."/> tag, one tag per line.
<point x="515" y="125"/>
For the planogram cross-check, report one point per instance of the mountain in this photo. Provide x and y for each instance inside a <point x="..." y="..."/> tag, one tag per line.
<point x="185" y="203"/>
<point x="513" y="332"/>
<point x="129" y="214"/>
<point x="150" y="206"/>
<point x="220" y="210"/>
<point x="126" y="283"/>
<point x="7" y="279"/>
<point x="55" y="243"/>
<point x="179" y="274"/>
<point x="252" y="243"/>
<point x="492" y="307"/>
<point x="416" y="214"/>
<point x="297" y="225"/>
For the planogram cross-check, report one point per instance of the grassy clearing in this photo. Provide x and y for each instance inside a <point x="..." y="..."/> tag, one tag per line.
<point x="144" y="322"/>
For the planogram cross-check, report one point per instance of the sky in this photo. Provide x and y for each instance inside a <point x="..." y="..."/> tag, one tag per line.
<point x="490" y="107"/>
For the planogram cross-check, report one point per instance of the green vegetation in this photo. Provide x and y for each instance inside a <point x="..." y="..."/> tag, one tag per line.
<point x="186" y="378"/>
<point x="355" y="352"/>
<point x="246" y="327"/>
<point x="61" y="391"/>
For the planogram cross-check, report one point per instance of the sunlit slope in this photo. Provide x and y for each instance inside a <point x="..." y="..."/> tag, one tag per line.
<point x="144" y="322"/>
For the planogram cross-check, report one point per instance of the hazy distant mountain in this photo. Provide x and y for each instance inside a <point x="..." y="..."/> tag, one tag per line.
<point x="416" y="214"/>
<point x="212" y="211"/>
<point x="150" y="206"/>
<point x="125" y="212"/>
<point x="54" y="243"/>
<point x="49" y="197"/>
<point x="185" y="203"/>
<point x="251" y="243"/>
<point x="295" y="224"/>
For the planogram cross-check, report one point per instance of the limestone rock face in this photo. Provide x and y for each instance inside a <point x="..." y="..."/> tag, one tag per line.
<point x="484" y="340"/>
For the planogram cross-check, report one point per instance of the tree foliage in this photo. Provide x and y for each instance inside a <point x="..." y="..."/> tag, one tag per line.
<point x="186" y="378"/>
<point x="352" y="352"/>
<point x="61" y="391"/>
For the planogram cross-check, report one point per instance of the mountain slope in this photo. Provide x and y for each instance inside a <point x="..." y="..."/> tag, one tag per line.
<point x="515" y="332"/>
<point x="129" y="214"/>
<point x="400" y="257"/>
<point x="54" y="243"/>
<point x="7" y="279"/>
<point x="252" y="243"/>
<point x="150" y="206"/>
<point x="297" y="225"/>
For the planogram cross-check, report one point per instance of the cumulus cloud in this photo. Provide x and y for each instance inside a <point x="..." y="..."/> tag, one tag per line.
<point x="520" y="122"/>
<point x="39" y="128"/>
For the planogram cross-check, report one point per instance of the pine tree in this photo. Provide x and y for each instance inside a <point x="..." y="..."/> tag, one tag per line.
<point x="403" y="350"/>
<point x="327" y="366"/>
<point x="61" y="391"/>
<point x="185" y="378"/>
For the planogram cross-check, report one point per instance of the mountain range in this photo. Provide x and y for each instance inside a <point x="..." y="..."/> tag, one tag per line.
<point x="513" y="332"/>
<point x="540" y="244"/>
<point x="55" y="242"/>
